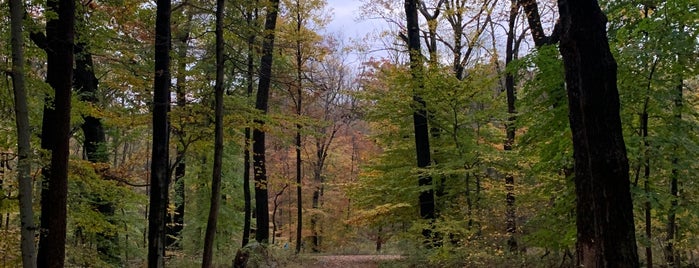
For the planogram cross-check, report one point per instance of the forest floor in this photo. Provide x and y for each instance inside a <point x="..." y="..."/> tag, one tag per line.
<point x="349" y="261"/>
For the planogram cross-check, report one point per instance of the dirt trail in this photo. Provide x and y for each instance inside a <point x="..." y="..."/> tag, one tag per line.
<point x="350" y="261"/>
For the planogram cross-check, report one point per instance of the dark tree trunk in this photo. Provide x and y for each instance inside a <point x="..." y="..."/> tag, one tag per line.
<point x="86" y="85"/>
<point x="274" y="211"/>
<point x="646" y="186"/>
<point x="314" y="221"/>
<point x="24" y="180"/>
<point x="605" y="223"/>
<point x="55" y="133"/>
<point x="210" y="234"/>
<point x="422" y="142"/>
<point x="299" y="94"/>
<point x="299" y="193"/>
<point x="250" y="17"/>
<point x="510" y="214"/>
<point x="95" y="142"/>
<point x="246" y="189"/>
<point x="160" y="180"/>
<point x="258" y="135"/>
<point x="671" y="257"/>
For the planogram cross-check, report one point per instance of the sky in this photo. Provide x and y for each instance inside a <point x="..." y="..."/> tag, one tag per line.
<point x="346" y="23"/>
<point x="344" y="18"/>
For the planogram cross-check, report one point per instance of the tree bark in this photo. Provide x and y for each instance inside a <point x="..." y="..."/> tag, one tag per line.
<point x="250" y="17"/>
<point x="86" y="85"/>
<point x="174" y="228"/>
<point x="95" y="141"/>
<point x="218" y="142"/>
<point x="671" y="257"/>
<point x="24" y="180"/>
<point x="258" y="135"/>
<point x="299" y="94"/>
<point x="55" y="133"/>
<point x="422" y="142"/>
<point x="160" y="180"/>
<point x="605" y="223"/>
<point x="510" y="214"/>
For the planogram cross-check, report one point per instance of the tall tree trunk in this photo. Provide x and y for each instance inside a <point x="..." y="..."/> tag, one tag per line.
<point x="251" y="18"/>
<point x="422" y="142"/>
<point x="55" y="133"/>
<point x="510" y="214"/>
<point x="174" y="228"/>
<point x="299" y="193"/>
<point x="646" y="185"/>
<point x="86" y="85"/>
<point x="605" y="223"/>
<point x="24" y="180"/>
<point x="299" y="94"/>
<point x="671" y="257"/>
<point x="160" y="180"/>
<point x="258" y="135"/>
<point x="95" y="142"/>
<point x="218" y="142"/>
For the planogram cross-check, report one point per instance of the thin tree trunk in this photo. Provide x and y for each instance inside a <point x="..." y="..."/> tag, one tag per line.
<point x="299" y="94"/>
<point x="250" y="17"/>
<point x="646" y="165"/>
<point x="605" y="223"/>
<point x="646" y="185"/>
<point x="55" y="133"/>
<point x="274" y="212"/>
<point x="299" y="193"/>
<point x="670" y="253"/>
<point x="174" y="228"/>
<point x="160" y="180"/>
<point x="210" y="234"/>
<point x="510" y="214"/>
<point x="422" y="142"/>
<point x="314" y="219"/>
<point x="258" y="135"/>
<point x="24" y="180"/>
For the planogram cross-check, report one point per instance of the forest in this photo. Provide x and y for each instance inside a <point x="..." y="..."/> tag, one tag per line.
<point x="247" y="133"/>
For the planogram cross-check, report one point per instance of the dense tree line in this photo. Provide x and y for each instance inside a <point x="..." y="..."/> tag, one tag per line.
<point x="484" y="133"/>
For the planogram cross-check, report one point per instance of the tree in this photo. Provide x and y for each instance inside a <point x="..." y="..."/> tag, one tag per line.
<point x="606" y="234"/>
<point x="218" y="141"/>
<point x="23" y="135"/>
<point x="251" y="21"/>
<point x="422" y="142"/>
<point x="174" y="228"/>
<point x="160" y="181"/>
<point x="94" y="144"/>
<point x="258" y="135"/>
<point x="55" y="133"/>
<point x="510" y="53"/>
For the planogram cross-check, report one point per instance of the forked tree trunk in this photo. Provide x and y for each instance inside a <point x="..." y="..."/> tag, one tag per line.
<point x="55" y="133"/>
<point x="605" y="223"/>
<point x="160" y="180"/>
